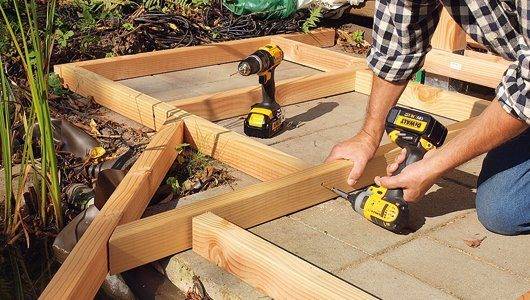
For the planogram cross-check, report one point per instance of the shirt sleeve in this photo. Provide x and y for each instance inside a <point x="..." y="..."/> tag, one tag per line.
<point x="513" y="92"/>
<point x="401" y="36"/>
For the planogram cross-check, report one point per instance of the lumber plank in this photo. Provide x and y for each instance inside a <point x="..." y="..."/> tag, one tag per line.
<point x="448" y="36"/>
<point x="472" y="43"/>
<point x="210" y="139"/>
<point x="146" y="240"/>
<point x="488" y="57"/>
<point x="318" y="58"/>
<point x="471" y="69"/>
<point x="252" y="157"/>
<point x="265" y="266"/>
<point x="170" y="232"/>
<point x="237" y="102"/>
<point x="150" y="63"/>
<point x="144" y="109"/>
<point x="525" y="296"/>
<point x="83" y="271"/>
<point x="433" y="100"/>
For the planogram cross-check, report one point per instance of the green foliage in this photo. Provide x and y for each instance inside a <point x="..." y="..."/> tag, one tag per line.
<point x="151" y="5"/>
<point x="33" y="47"/>
<point x="174" y="183"/>
<point x="315" y="14"/>
<point x="63" y="37"/>
<point x="56" y="85"/>
<point x="358" y="37"/>
<point x="6" y="137"/>
<point x="128" y="26"/>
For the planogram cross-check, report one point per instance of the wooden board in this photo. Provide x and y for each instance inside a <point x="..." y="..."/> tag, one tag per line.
<point x="318" y="58"/>
<point x="488" y="57"/>
<point x="222" y="144"/>
<point x="448" y="35"/>
<point x="433" y="100"/>
<point x="143" y="241"/>
<point x="150" y="63"/>
<point x="252" y="157"/>
<point x="471" y="69"/>
<point x="263" y="265"/>
<point x="237" y="102"/>
<point x="83" y="271"/>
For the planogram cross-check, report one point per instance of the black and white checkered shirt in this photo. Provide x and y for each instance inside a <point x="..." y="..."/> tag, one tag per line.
<point x="403" y="29"/>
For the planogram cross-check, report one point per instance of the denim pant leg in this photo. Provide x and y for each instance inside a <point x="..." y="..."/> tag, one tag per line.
<point x="503" y="193"/>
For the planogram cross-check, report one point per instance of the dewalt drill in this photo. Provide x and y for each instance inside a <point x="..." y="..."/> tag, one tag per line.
<point x="265" y="119"/>
<point x="418" y="133"/>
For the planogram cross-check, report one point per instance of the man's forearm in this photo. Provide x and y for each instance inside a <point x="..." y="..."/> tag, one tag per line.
<point x="492" y="128"/>
<point x="384" y="95"/>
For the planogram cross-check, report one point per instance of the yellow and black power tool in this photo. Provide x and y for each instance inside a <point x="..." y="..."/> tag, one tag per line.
<point x="265" y="119"/>
<point x="418" y="133"/>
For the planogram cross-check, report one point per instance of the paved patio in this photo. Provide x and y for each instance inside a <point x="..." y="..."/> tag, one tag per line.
<point x="432" y="262"/>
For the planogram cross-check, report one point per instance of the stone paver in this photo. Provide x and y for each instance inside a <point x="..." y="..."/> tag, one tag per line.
<point x="387" y="282"/>
<point x="431" y="262"/>
<point x="506" y="252"/>
<point x="455" y="271"/>
<point x="301" y="240"/>
<point x="219" y="284"/>
<point x="206" y="80"/>
<point x="445" y="202"/>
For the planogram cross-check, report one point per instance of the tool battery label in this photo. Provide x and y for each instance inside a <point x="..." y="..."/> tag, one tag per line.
<point x="411" y="123"/>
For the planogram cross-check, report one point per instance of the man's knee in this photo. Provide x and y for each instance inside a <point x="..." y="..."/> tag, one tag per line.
<point x="495" y="213"/>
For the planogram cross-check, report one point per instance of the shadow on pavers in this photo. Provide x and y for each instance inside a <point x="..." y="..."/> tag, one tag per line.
<point x="311" y="114"/>
<point x="456" y="193"/>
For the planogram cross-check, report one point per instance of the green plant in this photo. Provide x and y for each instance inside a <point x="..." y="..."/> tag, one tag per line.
<point x="174" y="183"/>
<point x="63" y="37"/>
<point x="5" y="137"/>
<point x="34" y="46"/>
<point x="128" y="26"/>
<point x="315" y="14"/>
<point x="358" y="37"/>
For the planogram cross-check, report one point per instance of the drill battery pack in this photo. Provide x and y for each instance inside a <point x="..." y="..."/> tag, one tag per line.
<point x="264" y="121"/>
<point x="419" y="126"/>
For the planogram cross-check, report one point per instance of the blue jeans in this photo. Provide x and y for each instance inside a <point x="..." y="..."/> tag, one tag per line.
<point x="503" y="193"/>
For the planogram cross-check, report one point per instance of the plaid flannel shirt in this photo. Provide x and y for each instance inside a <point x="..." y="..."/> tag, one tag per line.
<point x="403" y="29"/>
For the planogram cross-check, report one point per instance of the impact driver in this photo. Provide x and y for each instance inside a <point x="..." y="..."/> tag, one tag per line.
<point x="266" y="118"/>
<point x="418" y="133"/>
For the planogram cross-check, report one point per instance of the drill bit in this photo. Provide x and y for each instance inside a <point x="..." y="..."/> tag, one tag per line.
<point x="341" y="193"/>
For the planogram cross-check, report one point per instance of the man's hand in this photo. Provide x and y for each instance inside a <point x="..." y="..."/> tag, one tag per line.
<point x="359" y="149"/>
<point x="415" y="179"/>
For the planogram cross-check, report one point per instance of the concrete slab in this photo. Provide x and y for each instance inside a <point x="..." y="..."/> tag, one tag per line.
<point x="387" y="282"/>
<point x="444" y="202"/>
<point x="301" y="240"/>
<point x="452" y="270"/>
<point x="206" y="80"/>
<point x="334" y="237"/>
<point x="509" y="253"/>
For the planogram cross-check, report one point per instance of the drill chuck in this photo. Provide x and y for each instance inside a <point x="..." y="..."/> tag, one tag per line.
<point x="263" y="60"/>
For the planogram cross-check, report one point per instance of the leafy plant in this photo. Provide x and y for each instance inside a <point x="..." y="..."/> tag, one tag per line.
<point x="6" y="137"/>
<point x="128" y="26"/>
<point x="174" y="183"/>
<point x="34" y="46"/>
<point x="315" y="14"/>
<point x="358" y="37"/>
<point x="63" y="37"/>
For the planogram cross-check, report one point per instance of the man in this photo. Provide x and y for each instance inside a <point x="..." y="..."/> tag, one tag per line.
<point x="401" y="36"/>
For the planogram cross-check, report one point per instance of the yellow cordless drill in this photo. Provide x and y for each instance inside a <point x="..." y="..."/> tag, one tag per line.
<point x="418" y="133"/>
<point x="265" y="119"/>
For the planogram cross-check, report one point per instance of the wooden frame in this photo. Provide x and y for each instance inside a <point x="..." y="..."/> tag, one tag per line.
<point x="117" y="241"/>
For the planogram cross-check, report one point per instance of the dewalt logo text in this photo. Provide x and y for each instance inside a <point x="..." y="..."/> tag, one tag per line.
<point x="405" y="122"/>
